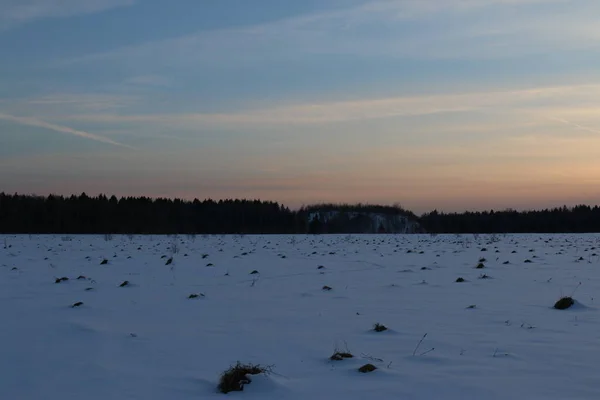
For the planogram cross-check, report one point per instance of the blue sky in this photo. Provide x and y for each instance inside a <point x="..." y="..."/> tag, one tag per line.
<point x="446" y="104"/>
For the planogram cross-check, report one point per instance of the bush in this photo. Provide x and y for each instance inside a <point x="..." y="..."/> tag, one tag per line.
<point x="379" y="327"/>
<point x="234" y="379"/>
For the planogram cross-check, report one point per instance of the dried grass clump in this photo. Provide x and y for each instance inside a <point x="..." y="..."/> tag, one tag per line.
<point x="234" y="379"/>
<point x="564" y="302"/>
<point x="340" y="355"/>
<point x="367" y="368"/>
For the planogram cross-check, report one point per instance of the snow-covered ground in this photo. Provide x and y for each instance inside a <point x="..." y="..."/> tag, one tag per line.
<point x="148" y="340"/>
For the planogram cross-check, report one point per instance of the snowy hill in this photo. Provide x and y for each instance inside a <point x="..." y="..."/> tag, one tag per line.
<point x="338" y="221"/>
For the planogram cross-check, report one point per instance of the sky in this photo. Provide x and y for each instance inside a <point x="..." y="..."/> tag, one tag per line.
<point x="434" y="104"/>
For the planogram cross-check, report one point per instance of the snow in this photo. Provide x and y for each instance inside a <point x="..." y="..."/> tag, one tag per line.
<point x="149" y="341"/>
<point x="392" y="223"/>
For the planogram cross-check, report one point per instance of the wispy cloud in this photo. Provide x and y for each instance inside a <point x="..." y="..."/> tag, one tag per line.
<point x="85" y="101"/>
<point x="15" y="12"/>
<point x="439" y="29"/>
<point x="148" y="80"/>
<point x="576" y="125"/>
<point x="46" y="106"/>
<point x="59" y="128"/>
<point x="525" y="101"/>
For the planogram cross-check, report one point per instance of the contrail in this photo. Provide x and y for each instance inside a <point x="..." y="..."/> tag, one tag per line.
<point x="59" y="128"/>
<point x="575" y="125"/>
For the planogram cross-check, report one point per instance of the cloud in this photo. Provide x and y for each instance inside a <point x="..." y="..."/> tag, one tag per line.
<point x="85" y="102"/>
<point x="527" y="102"/>
<point x="421" y="29"/>
<point x="15" y="12"/>
<point x="58" y="128"/>
<point x="576" y="125"/>
<point x="46" y="106"/>
<point x="148" y="80"/>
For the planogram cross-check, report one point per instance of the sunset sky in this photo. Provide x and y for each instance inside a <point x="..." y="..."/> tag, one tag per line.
<point x="445" y="104"/>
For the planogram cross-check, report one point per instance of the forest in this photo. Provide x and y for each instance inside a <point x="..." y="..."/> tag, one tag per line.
<point x="578" y="219"/>
<point x="142" y="215"/>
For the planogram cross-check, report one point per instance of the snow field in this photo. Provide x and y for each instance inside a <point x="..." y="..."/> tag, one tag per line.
<point x="148" y="340"/>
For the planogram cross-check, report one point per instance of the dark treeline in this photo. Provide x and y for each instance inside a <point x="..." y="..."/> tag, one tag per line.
<point x="84" y="214"/>
<point x="579" y="219"/>
<point x="142" y="215"/>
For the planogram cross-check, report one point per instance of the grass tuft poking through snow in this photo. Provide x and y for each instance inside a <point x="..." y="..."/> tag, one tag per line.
<point x="367" y="368"/>
<point x="340" y="355"/>
<point x="564" y="302"/>
<point x="234" y="379"/>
